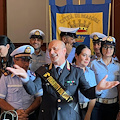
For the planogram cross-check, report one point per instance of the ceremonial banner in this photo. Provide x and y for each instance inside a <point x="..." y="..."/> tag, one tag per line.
<point x="88" y="17"/>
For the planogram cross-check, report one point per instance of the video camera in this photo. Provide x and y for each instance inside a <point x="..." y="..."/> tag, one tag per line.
<point x="3" y="65"/>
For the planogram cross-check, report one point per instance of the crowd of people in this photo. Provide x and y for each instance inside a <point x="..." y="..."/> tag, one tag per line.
<point x="62" y="82"/>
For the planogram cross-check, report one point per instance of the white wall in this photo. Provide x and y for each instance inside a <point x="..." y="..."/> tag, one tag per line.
<point x="25" y="15"/>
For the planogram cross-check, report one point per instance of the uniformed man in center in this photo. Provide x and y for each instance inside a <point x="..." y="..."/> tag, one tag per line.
<point x="60" y="89"/>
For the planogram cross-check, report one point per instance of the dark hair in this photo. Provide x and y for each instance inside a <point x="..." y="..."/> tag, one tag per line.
<point x="4" y="40"/>
<point x="103" y="43"/>
<point x="36" y="36"/>
<point x="79" y="50"/>
<point x="73" y="35"/>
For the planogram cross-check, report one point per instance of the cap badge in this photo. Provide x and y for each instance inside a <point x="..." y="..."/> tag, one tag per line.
<point x="95" y="37"/>
<point x="37" y="33"/>
<point x="28" y="50"/>
<point x="110" y="39"/>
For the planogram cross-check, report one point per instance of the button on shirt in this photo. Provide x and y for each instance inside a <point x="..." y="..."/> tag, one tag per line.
<point x="37" y="61"/>
<point x="12" y="90"/>
<point x="113" y="72"/>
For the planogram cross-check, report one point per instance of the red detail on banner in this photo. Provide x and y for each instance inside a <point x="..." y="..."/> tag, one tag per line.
<point x="82" y="31"/>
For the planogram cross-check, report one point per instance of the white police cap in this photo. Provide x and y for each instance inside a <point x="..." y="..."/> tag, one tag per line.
<point x="109" y="40"/>
<point x="25" y="50"/>
<point x="36" y="33"/>
<point x="68" y="31"/>
<point x="96" y="36"/>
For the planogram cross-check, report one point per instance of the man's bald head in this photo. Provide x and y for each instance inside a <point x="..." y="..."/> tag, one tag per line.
<point x="57" y="51"/>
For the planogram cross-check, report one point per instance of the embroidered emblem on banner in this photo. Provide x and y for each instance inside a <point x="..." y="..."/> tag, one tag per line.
<point x="86" y="22"/>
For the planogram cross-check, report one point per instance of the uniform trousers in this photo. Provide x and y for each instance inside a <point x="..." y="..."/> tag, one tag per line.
<point x="105" y="111"/>
<point x="83" y="112"/>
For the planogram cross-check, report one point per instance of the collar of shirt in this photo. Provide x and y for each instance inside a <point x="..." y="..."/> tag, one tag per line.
<point x="101" y="60"/>
<point x="40" y="53"/>
<point x="94" y="56"/>
<point x="62" y="66"/>
<point x="75" y="65"/>
<point x="86" y="69"/>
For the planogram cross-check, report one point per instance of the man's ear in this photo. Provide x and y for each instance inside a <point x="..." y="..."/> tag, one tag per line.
<point x="30" y="41"/>
<point x="64" y="49"/>
<point x="8" y="46"/>
<point x="41" y="42"/>
<point x="64" y="39"/>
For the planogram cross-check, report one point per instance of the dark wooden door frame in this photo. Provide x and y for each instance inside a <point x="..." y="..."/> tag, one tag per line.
<point x="117" y="27"/>
<point x="3" y="17"/>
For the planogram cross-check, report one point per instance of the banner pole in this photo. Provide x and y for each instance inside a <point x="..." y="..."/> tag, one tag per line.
<point x="79" y="2"/>
<point x="47" y="20"/>
<point x="113" y="3"/>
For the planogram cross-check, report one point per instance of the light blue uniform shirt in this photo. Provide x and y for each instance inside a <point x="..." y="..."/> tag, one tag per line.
<point x="113" y="72"/>
<point x="12" y="91"/>
<point x="69" y="58"/>
<point x="71" y="55"/>
<point x="90" y="78"/>
<point x="37" y="61"/>
<point x="93" y="57"/>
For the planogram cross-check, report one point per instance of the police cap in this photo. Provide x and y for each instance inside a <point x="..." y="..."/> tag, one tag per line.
<point x="109" y="40"/>
<point x="97" y="37"/>
<point x="25" y="50"/>
<point x="36" y="33"/>
<point x="68" y="32"/>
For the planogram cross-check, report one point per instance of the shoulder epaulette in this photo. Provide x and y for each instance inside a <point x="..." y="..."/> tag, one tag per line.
<point x="46" y="65"/>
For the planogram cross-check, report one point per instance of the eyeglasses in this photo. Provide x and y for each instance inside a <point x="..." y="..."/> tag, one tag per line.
<point x="110" y="47"/>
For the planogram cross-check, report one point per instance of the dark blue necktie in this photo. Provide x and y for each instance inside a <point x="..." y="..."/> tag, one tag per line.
<point x="59" y="70"/>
